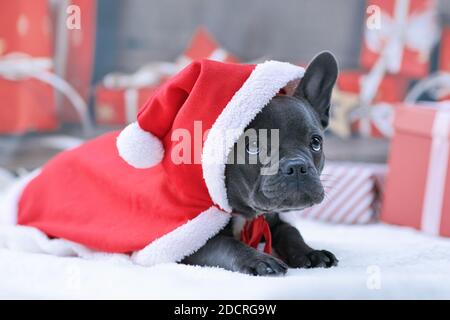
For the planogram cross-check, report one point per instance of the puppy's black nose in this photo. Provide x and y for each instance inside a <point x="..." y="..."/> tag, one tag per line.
<point x="294" y="167"/>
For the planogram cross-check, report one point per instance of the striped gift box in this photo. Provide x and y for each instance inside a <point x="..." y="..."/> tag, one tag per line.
<point x="353" y="193"/>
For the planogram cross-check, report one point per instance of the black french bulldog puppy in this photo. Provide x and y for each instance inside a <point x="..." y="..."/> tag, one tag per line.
<point x="301" y="120"/>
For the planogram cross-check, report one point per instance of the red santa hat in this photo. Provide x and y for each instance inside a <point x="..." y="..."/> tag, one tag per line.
<point x="94" y="195"/>
<point x="224" y="97"/>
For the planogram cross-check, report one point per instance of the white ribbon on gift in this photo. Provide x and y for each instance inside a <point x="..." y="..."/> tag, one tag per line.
<point x="437" y="172"/>
<point x="21" y="66"/>
<point x="437" y="84"/>
<point x="419" y="32"/>
<point x="149" y="75"/>
<point x="382" y="117"/>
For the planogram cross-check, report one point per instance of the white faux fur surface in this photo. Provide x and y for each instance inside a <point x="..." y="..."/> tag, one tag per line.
<point x="376" y="262"/>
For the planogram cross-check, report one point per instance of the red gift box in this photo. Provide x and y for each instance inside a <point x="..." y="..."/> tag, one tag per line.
<point x="27" y="104"/>
<point x="406" y="33"/>
<point x="353" y="194"/>
<point x="392" y="89"/>
<point x="117" y="107"/>
<point x="444" y="56"/>
<point x="444" y="59"/>
<point x="25" y="26"/>
<point x="417" y="192"/>
<point x="120" y="96"/>
<point x="75" y="54"/>
<point x="204" y="46"/>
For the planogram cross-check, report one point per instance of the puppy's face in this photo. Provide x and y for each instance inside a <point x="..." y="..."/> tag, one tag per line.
<point x="277" y="163"/>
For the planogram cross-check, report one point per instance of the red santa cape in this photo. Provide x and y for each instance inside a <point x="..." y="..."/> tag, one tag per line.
<point x="123" y="193"/>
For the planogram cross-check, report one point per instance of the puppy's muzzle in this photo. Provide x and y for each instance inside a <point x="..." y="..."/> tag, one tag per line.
<point x="296" y="168"/>
<point x="296" y="178"/>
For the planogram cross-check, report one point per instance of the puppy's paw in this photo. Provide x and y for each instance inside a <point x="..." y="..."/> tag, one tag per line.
<point x="263" y="265"/>
<point x="314" y="259"/>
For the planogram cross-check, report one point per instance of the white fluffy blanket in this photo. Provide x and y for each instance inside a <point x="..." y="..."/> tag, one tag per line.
<point x="376" y="262"/>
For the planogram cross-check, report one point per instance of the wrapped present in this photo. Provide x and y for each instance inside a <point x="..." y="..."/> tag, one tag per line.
<point x="444" y="55"/>
<point x="204" y="46"/>
<point x="436" y="86"/>
<point x="117" y="107"/>
<point x="75" y="49"/>
<point x="120" y="96"/>
<point x="417" y="190"/>
<point x="353" y="193"/>
<point x="25" y="26"/>
<point x="403" y="32"/>
<point x="346" y="117"/>
<point x="444" y="62"/>
<point x="392" y="88"/>
<point x="27" y="104"/>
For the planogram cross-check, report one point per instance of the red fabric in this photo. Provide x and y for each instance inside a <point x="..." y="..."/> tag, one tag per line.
<point x="26" y="105"/>
<point x="91" y="196"/>
<point x="254" y="231"/>
<point x="110" y="104"/>
<point x="193" y="95"/>
<point x="408" y="170"/>
<point x="414" y="64"/>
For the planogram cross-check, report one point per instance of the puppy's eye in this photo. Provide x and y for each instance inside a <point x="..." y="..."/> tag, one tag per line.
<point x="252" y="147"/>
<point x="316" y="144"/>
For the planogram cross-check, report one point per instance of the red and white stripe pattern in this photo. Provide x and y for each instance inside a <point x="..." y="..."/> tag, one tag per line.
<point x="353" y="193"/>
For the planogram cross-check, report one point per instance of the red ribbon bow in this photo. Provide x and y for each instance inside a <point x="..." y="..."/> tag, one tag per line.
<point x="254" y="231"/>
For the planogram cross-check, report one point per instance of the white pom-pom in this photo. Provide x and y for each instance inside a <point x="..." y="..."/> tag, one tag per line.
<point x="139" y="148"/>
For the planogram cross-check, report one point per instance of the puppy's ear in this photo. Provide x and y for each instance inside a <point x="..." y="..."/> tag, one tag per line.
<point x="317" y="84"/>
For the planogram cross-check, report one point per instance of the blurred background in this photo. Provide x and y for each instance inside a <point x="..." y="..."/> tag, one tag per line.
<point x="73" y="69"/>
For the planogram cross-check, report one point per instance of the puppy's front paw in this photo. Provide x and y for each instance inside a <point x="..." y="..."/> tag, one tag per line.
<point x="314" y="259"/>
<point x="263" y="265"/>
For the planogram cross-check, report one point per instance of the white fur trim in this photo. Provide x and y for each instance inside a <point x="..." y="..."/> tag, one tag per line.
<point x="9" y="202"/>
<point x="263" y="84"/>
<point x="139" y="148"/>
<point x="183" y="241"/>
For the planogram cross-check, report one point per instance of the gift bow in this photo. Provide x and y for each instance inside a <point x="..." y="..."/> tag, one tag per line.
<point x="436" y="84"/>
<point x="19" y="66"/>
<point x="380" y="115"/>
<point x="418" y="32"/>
